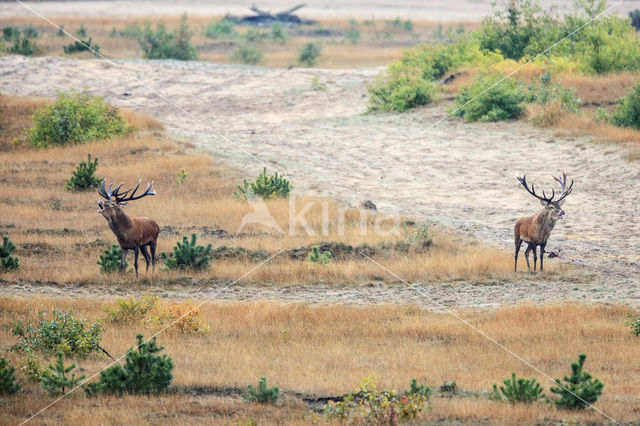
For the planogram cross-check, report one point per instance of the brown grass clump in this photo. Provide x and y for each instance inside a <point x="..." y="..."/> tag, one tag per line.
<point x="60" y="235"/>
<point x="331" y="348"/>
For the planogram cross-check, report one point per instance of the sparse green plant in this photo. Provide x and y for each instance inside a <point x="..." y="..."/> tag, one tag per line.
<point x="129" y="310"/>
<point x="278" y="33"/>
<point x="253" y="36"/>
<point x="10" y="33"/>
<point x="419" y="234"/>
<point x="30" y="31"/>
<point x="55" y="379"/>
<point x="145" y="372"/>
<point x="316" y="257"/>
<point x="24" y="45"/>
<point x="8" y="383"/>
<point x="578" y="390"/>
<point x="602" y="115"/>
<point x="353" y="33"/>
<point x="81" y="46"/>
<point x="63" y="332"/>
<point x="487" y="100"/>
<point x="110" y="260"/>
<point x="60" y="32"/>
<point x="634" y="323"/>
<point x="76" y="117"/>
<point x="309" y="53"/>
<point x="416" y="389"/>
<point x="316" y="84"/>
<point x="7" y="262"/>
<point x="130" y="30"/>
<point x="265" y="186"/>
<point x="182" y="176"/>
<point x="262" y="393"/>
<point x="84" y="178"/>
<point x="247" y="53"/>
<point x="224" y="28"/>
<point x="31" y="368"/>
<point x="408" y="25"/>
<point x="163" y="44"/>
<point x="188" y="255"/>
<point x="627" y="113"/>
<point x="518" y="390"/>
<point x="82" y="31"/>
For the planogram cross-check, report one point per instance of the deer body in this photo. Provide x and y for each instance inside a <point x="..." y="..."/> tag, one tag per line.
<point x="133" y="233"/>
<point x="535" y="230"/>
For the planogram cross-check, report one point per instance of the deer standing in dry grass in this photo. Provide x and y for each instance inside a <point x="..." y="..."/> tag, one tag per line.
<point x="535" y="230"/>
<point x="133" y="233"/>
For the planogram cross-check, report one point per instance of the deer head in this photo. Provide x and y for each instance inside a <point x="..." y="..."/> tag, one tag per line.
<point x="113" y="209"/>
<point x="552" y="207"/>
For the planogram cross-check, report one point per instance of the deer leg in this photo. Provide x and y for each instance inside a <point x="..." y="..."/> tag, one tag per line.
<point x="515" y="266"/>
<point x="147" y="258"/>
<point x="542" y="246"/>
<point x="152" y="246"/>
<point x="535" y="256"/>
<point x="526" y="256"/>
<point x="123" y="259"/>
<point x="136" y="251"/>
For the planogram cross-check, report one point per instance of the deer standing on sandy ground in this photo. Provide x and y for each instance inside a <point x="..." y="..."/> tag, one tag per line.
<point x="133" y="233"/>
<point x="535" y="230"/>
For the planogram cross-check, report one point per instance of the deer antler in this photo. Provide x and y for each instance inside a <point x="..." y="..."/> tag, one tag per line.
<point x="532" y="191"/>
<point x="563" y="183"/>
<point x="107" y="193"/>
<point x="124" y="197"/>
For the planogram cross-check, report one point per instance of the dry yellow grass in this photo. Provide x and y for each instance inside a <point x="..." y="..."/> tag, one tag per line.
<point x="60" y="235"/>
<point x="327" y="350"/>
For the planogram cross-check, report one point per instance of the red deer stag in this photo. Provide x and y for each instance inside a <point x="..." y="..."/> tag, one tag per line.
<point x="133" y="233"/>
<point x="535" y="230"/>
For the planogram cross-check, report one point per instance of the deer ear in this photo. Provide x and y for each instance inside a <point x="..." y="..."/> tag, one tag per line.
<point x="544" y="203"/>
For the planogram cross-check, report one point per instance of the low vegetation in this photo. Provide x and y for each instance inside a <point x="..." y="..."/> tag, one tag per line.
<point x="84" y="178"/>
<point x="110" y="260"/>
<point x="578" y="390"/>
<point x="309" y="53"/>
<point x="8" y="382"/>
<point x="262" y="393"/>
<point x="247" y="53"/>
<point x="7" y="262"/>
<point x="265" y="186"/>
<point x="81" y="46"/>
<point x="188" y="255"/>
<point x="55" y="378"/>
<point x="518" y="390"/>
<point x="164" y="44"/>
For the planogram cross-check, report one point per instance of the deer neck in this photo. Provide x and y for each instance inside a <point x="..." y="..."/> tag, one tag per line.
<point x="545" y="223"/>
<point x="121" y="225"/>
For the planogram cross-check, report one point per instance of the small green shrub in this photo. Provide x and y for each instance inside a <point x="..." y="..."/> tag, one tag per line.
<point x="30" y="31"/>
<point x="82" y="31"/>
<point x="416" y="389"/>
<point x="278" y="34"/>
<point x="309" y="53"/>
<point x="265" y="187"/>
<point x="32" y="369"/>
<point x="490" y="99"/>
<point x="8" y="383"/>
<point x="188" y="255"/>
<point x="145" y="372"/>
<point x="627" y="113"/>
<point x="162" y="44"/>
<point x="518" y="390"/>
<point x="262" y="393"/>
<point x="76" y="117"/>
<point x="247" y="53"/>
<point x="182" y="176"/>
<point x="224" y="28"/>
<point x="316" y="257"/>
<point x="353" y="33"/>
<point x="419" y="234"/>
<point x="253" y="36"/>
<point x="63" y="332"/>
<point x="579" y="389"/>
<point x="81" y="46"/>
<point x="55" y="379"/>
<point x="110" y="260"/>
<point x="84" y="178"/>
<point x="24" y="45"/>
<point x="10" y="33"/>
<point x="634" y="323"/>
<point x="129" y="310"/>
<point x="7" y="262"/>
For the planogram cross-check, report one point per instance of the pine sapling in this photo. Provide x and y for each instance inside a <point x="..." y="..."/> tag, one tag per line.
<point x="84" y="178"/>
<point x="7" y="262"/>
<point x="316" y="257"/>
<point x="578" y="390"/>
<point x="8" y="383"/>
<point x="262" y="394"/>
<point x="188" y="255"/>
<point x="518" y="390"/>
<point x="55" y="379"/>
<point x="110" y="260"/>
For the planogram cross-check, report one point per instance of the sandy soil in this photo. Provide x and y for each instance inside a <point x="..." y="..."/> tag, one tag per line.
<point x="461" y="175"/>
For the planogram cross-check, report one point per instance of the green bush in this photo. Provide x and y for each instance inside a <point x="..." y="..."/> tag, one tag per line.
<point x="634" y="323"/>
<point x="247" y="53"/>
<point x="309" y="53"/>
<point x="7" y="262"/>
<point x="353" y="33"/>
<point x="145" y="372"/>
<point x="162" y="44"/>
<point x="84" y="178"/>
<point x="24" y="45"/>
<point x="129" y="310"/>
<point x="10" y="33"/>
<point x="30" y="31"/>
<point x="55" y="379"/>
<point x="63" y="332"/>
<point x="579" y="389"/>
<point x="278" y="33"/>
<point x="265" y="187"/>
<point x="110" y="260"/>
<point x="253" y="36"/>
<point x="627" y="113"/>
<point x="489" y="99"/>
<point x="262" y="393"/>
<point x="82" y="31"/>
<point x="518" y="390"/>
<point x="81" y="46"/>
<point x="8" y="382"/>
<point x="188" y="255"/>
<point x="416" y="389"/>
<point x="76" y="117"/>
<point x="316" y="257"/>
<point x="224" y="28"/>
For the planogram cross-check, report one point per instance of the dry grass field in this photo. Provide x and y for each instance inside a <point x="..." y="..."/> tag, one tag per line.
<point x="316" y="351"/>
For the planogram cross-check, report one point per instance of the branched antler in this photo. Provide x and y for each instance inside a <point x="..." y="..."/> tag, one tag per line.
<point x="564" y="191"/>
<point x="532" y="191"/>
<point x="122" y="197"/>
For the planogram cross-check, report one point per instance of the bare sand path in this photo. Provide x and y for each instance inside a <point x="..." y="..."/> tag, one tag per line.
<point x="459" y="174"/>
